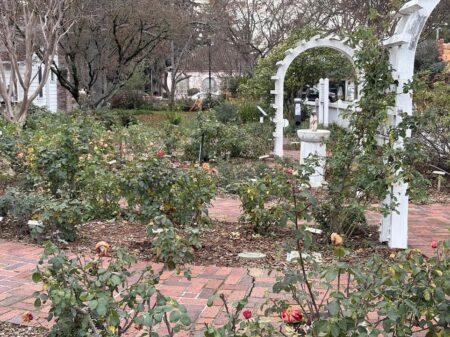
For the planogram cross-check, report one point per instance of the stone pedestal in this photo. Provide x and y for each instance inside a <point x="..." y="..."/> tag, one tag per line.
<point x="312" y="143"/>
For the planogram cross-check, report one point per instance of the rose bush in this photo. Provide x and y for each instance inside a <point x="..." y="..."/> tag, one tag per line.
<point x="72" y="169"/>
<point x="277" y="196"/>
<point x="103" y="297"/>
<point x="407" y="295"/>
<point x="172" y="198"/>
<point x="224" y="141"/>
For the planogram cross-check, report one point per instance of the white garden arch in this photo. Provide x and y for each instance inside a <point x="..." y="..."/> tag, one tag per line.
<point x="331" y="42"/>
<point x="402" y="49"/>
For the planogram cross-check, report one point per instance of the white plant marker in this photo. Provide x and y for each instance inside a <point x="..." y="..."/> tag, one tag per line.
<point x="252" y="255"/>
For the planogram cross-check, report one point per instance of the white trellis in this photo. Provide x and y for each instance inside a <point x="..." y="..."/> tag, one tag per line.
<point x="332" y="42"/>
<point x="402" y="48"/>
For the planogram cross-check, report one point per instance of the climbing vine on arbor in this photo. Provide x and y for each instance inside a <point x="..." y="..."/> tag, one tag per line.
<point x="359" y="169"/>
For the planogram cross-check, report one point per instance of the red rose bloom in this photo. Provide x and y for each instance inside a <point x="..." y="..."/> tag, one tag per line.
<point x="160" y="153"/>
<point x="291" y="316"/>
<point x="434" y="244"/>
<point x="247" y="314"/>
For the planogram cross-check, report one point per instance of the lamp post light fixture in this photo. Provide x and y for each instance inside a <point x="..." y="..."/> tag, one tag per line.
<point x="438" y="30"/>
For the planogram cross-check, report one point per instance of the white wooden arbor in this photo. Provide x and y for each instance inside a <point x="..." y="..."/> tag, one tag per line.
<point x="332" y="42"/>
<point x="402" y="48"/>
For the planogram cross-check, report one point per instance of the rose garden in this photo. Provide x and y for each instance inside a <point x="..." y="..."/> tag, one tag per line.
<point x="236" y="215"/>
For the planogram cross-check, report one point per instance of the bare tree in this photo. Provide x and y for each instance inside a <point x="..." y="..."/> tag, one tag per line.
<point x="344" y="16"/>
<point x="255" y="27"/>
<point x="25" y="28"/>
<point x="107" y="44"/>
<point x="186" y="24"/>
<point x="438" y="22"/>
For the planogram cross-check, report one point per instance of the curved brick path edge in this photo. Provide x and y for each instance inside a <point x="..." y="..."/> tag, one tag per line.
<point x="426" y="223"/>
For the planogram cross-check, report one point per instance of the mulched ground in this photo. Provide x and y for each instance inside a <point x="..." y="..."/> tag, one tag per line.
<point x="14" y="330"/>
<point x="221" y="243"/>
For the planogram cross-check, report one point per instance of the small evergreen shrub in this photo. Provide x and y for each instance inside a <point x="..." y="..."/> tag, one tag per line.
<point x="128" y="99"/>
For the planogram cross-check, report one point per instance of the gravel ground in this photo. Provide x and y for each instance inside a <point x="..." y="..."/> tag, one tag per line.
<point x="14" y="330"/>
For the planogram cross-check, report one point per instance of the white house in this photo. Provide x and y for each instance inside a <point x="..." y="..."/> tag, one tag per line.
<point x="50" y="95"/>
<point x="222" y="61"/>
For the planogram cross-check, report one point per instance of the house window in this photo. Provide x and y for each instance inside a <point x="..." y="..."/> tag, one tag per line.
<point x="205" y="85"/>
<point x="183" y="86"/>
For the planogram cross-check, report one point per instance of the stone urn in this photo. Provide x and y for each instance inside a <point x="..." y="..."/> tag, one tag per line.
<point x="313" y="143"/>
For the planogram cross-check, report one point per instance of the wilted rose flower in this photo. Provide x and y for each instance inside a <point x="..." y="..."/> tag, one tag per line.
<point x="27" y="316"/>
<point x="139" y="326"/>
<point x="291" y="315"/>
<point x="206" y="167"/>
<point x="289" y="171"/>
<point x="336" y="240"/>
<point x="434" y="244"/>
<point x="247" y="314"/>
<point x="102" y="248"/>
<point x="123" y="203"/>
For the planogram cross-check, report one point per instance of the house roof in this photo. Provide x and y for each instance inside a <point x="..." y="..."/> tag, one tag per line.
<point x="224" y="58"/>
<point x="20" y="52"/>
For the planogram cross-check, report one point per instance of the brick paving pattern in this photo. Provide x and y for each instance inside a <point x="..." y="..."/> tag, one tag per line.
<point x="427" y="223"/>
<point x="16" y="288"/>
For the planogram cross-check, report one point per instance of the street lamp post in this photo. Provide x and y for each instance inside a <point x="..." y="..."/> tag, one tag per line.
<point x="209" y="70"/>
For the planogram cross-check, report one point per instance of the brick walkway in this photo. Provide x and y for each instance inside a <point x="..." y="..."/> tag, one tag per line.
<point x="17" y="260"/>
<point x="16" y="288"/>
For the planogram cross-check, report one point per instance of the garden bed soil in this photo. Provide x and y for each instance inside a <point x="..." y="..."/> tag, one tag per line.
<point x="435" y="197"/>
<point x="156" y="117"/>
<point x="221" y="243"/>
<point x="14" y="330"/>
